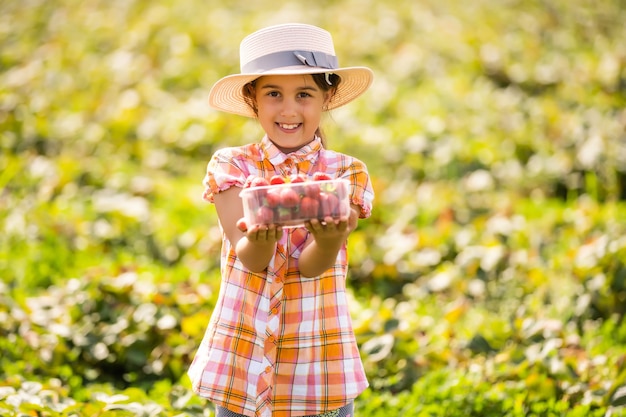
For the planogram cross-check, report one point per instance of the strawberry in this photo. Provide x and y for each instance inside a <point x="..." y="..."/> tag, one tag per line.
<point x="248" y="181"/>
<point x="259" y="182"/>
<point x="298" y="178"/>
<point x="277" y="179"/>
<point x="321" y="176"/>
<point x="312" y="190"/>
<point x="309" y="207"/>
<point x="284" y="214"/>
<point x="265" y="215"/>
<point x="289" y="198"/>
<point x="329" y="204"/>
<point x="273" y="197"/>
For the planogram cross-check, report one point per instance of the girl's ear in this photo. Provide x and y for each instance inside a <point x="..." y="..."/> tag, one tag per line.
<point x="328" y="96"/>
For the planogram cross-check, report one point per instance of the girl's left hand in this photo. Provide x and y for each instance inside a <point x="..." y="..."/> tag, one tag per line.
<point x="327" y="228"/>
<point x="333" y="229"/>
<point x="324" y="242"/>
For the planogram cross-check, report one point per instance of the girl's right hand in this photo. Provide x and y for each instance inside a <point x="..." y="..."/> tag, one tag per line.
<point x="254" y="245"/>
<point x="261" y="233"/>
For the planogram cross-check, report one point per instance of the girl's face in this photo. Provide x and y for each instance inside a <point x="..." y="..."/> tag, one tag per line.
<point x="289" y="109"/>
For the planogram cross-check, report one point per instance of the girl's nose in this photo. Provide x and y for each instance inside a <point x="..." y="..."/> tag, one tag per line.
<point x="289" y="108"/>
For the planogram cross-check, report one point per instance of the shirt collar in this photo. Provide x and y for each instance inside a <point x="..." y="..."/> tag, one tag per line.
<point x="308" y="152"/>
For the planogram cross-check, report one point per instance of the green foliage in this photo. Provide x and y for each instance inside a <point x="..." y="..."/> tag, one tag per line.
<point x="489" y="281"/>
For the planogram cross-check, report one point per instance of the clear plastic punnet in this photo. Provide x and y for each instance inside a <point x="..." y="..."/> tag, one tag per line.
<point x="292" y="204"/>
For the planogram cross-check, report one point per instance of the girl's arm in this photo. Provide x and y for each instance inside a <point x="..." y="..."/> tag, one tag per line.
<point x="321" y="251"/>
<point x="254" y="247"/>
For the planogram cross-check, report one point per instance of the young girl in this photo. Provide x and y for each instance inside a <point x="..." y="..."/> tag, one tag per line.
<point x="280" y="340"/>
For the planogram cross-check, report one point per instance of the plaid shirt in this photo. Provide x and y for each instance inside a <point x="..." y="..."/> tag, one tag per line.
<point x="279" y="343"/>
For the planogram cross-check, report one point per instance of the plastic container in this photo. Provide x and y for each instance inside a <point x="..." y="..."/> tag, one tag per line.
<point x="292" y="204"/>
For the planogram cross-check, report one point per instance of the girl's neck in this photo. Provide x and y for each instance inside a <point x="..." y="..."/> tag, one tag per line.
<point x="290" y="150"/>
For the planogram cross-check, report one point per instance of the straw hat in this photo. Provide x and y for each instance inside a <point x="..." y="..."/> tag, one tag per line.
<point x="292" y="48"/>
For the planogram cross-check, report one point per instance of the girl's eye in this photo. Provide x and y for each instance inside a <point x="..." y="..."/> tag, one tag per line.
<point x="273" y="94"/>
<point x="303" y="95"/>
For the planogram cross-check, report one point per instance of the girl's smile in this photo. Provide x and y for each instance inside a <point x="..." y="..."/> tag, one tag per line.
<point x="289" y="127"/>
<point x="289" y="109"/>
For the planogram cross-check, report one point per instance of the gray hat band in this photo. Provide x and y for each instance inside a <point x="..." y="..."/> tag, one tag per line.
<point x="288" y="59"/>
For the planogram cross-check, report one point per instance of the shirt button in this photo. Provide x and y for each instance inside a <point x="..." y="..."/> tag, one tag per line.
<point x="268" y="369"/>
<point x="275" y="310"/>
<point x="271" y="339"/>
<point x="278" y="280"/>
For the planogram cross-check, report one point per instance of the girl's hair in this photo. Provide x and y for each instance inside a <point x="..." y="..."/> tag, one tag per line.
<point x="320" y="80"/>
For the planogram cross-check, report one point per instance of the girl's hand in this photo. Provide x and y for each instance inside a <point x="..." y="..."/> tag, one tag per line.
<point x="329" y="229"/>
<point x="261" y="233"/>
<point x="254" y="247"/>
<point x="328" y="236"/>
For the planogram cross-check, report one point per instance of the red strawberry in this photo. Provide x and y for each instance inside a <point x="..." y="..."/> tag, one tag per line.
<point x="329" y="204"/>
<point x="259" y="182"/>
<point x="309" y="207"/>
<point x="289" y="198"/>
<point x="273" y="197"/>
<point x="298" y="178"/>
<point x="248" y="181"/>
<point x="264" y="215"/>
<point x="284" y="214"/>
<point x="277" y="179"/>
<point x="312" y="190"/>
<point x="321" y="176"/>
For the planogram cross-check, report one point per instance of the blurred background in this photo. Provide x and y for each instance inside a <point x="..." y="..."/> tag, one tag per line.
<point x="489" y="281"/>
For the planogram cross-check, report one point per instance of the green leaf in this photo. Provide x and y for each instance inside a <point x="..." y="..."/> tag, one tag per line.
<point x="619" y="397"/>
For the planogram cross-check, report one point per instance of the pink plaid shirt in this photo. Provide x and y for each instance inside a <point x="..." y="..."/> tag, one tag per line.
<point x="279" y="343"/>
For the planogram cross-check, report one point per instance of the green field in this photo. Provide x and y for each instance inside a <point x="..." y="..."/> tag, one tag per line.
<point x="489" y="281"/>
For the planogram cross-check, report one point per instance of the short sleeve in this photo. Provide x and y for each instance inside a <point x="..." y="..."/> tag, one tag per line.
<point x="224" y="170"/>
<point x="362" y="191"/>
